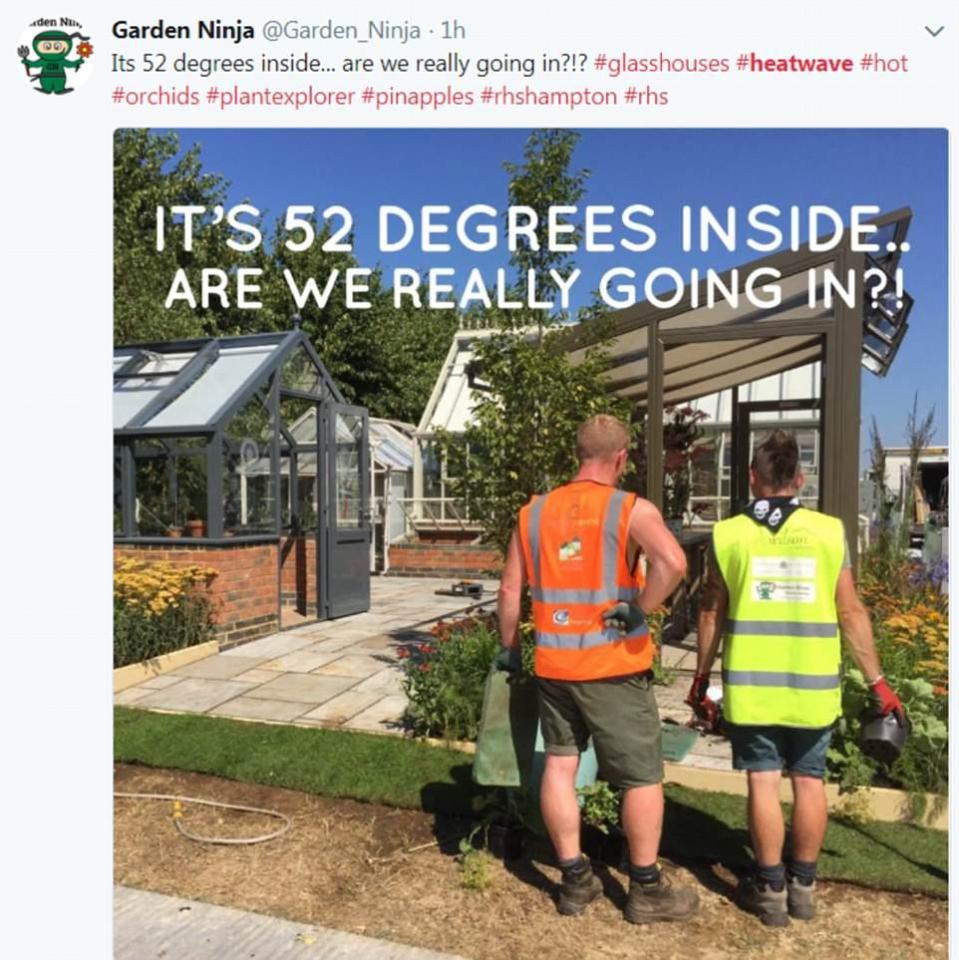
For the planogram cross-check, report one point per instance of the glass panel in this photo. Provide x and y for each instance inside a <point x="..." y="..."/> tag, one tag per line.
<point x="117" y="491"/>
<point x="299" y="372"/>
<point x="200" y="402"/>
<point x="154" y="508"/>
<point x="171" y="487"/>
<point x="299" y="418"/>
<point x="248" y="488"/>
<point x="132" y="394"/>
<point x="349" y="495"/>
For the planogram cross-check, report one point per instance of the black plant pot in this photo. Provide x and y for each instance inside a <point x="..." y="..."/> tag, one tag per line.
<point x="506" y="843"/>
<point x="608" y="848"/>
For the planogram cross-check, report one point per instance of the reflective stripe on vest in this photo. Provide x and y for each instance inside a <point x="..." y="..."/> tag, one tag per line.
<point x="781" y="655"/>
<point x="571" y="640"/>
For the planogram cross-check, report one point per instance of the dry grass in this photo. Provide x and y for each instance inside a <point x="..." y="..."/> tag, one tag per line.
<point x="347" y="865"/>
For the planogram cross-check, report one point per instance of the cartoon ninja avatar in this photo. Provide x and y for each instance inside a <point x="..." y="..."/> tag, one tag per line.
<point x="53" y="47"/>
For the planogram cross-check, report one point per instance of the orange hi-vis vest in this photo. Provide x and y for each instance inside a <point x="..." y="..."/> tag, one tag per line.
<point x="575" y="543"/>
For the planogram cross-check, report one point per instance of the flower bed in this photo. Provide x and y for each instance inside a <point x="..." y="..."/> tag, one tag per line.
<point x="158" y="608"/>
<point x="910" y="613"/>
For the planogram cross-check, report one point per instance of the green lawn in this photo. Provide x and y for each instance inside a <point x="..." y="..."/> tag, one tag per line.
<point x="406" y="773"/>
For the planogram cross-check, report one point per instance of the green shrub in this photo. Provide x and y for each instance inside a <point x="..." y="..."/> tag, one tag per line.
<point x="445" y="678"/>
<point x="923" y="765"/>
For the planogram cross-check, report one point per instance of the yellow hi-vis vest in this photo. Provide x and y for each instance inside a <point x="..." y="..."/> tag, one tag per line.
<point x="782" y="651"/>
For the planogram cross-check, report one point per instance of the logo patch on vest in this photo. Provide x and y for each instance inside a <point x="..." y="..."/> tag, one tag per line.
<point x="561" y="617"/>
<point x="760" y="509"/>
<point x="571" y="549"/>
<point x="785" y="591"/>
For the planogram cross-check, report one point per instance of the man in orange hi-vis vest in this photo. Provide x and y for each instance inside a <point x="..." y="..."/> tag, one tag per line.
<point x="578" y="548"/>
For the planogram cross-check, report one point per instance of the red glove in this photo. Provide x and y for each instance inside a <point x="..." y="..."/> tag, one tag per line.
<point x="703" y="707"/>
<point x="886" y="700"/>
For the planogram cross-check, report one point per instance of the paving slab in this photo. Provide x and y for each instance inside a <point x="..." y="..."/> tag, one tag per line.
<point x="158" y="683"/>
<point x="333" y="644"/>
<point x="194" y="695"/>
<point x="131" y="695"/>
<point x="255" y="708"/>
<point x="302" y="687"/>
<point x="272" y="646"/>
<point x="340" y="709"/>
<point x="305" y="660"/>
<point x="352" y="666"/>
<point x="256" y="675"/>
<point x="385" y="716"/>
<point x="148" y="925"/>
<point x="218" y="667"/>
<point x="388" y="681"/>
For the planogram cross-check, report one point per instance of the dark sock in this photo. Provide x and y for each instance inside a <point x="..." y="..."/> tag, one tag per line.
<point x="773" y="877"/>
<point x="574" y="867"/>
<point x="644" y="875"/>
<point x="804" y="871"/>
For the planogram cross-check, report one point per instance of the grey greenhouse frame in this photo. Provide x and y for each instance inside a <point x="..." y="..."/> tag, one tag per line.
<point x="669" y="356"/>
<point x="243" y="440"/>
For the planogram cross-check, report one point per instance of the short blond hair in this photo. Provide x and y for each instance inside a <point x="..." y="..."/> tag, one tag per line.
<point x="601" y="438"/>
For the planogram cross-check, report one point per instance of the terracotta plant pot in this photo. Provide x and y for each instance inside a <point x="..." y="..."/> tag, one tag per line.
<point x="195" y="528"/>
<point x="174" y="532"/>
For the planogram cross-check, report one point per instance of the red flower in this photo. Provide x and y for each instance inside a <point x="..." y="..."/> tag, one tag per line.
<point x="424" y="668"/>
<point x="85" y="49"/>
<point x="403" y="653"/>
<point x="427" y="649"/>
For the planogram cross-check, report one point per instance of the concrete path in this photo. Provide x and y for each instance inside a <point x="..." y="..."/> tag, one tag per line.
<point x="150" y="925"/>
<point x="338" y="673"/>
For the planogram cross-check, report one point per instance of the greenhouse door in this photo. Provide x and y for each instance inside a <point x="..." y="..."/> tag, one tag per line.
<point x="801" y="418"/>
<point x="346" y="572"/>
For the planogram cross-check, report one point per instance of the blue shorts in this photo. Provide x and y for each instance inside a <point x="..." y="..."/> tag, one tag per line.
<point x="800" y="750"/>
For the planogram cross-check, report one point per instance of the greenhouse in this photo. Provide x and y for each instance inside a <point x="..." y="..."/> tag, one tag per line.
<point x="230" y="445"/>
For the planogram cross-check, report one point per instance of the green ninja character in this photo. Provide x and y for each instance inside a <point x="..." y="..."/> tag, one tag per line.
<point x="52" y="47"/>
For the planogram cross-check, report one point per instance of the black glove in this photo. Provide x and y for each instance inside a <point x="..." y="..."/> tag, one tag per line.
<point x="624" y="617"/>
<point x="509" y="659"/>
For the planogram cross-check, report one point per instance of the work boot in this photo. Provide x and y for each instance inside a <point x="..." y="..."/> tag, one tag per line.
<point x="579" y="889"/>
<point x="801" y="900"/>
<point x="649" y="902"/>
<point x="759" y="898"/>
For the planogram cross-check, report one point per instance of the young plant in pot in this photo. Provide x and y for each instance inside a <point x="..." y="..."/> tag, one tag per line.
<point x="603" y="838"/>
<point x="504" y="832"/>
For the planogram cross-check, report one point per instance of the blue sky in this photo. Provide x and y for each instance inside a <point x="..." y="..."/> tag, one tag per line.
<point x="362" y="169"/>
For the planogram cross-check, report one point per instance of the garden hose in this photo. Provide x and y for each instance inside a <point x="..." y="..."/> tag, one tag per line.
<point x="177" y="815"/>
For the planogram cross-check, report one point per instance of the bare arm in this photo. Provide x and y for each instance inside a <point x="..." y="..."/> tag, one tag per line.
<point x="509" y="598"/>
<point x="856" y="626"/>
<point x="666" y="559"/>
<point x="712" y="612"/>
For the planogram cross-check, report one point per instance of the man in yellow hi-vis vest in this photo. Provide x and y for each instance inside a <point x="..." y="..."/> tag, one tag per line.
<point x="782" y="578"/>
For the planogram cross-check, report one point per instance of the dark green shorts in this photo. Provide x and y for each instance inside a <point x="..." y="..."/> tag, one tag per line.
<point x="800" y="750"/>
<point x="621" y="716"/>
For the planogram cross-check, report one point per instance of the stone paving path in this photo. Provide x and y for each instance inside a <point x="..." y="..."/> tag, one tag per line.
<point x="150" y="925"/>
<point x="346" y="673"/>
<point x="338" y="673"/>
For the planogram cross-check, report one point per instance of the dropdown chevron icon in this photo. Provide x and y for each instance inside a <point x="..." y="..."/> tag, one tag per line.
<point x="936" y="32"/>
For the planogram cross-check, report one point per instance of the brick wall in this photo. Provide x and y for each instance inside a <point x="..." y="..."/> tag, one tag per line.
<point x="244" y="591"/>
<point x="298" y="573"/>
<point x="444" y="560"/>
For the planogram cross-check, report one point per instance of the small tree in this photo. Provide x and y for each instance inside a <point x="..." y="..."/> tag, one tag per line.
<point x="522" y="438"/>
